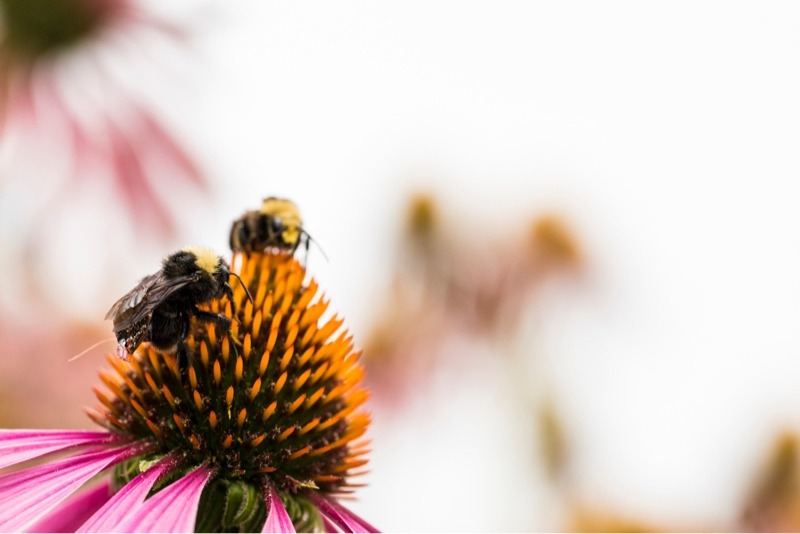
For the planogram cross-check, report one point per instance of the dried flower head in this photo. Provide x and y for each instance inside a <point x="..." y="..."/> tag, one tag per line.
<point x="261" y="431"/>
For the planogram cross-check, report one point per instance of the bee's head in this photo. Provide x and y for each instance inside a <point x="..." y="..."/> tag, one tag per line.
<point x="204" y="261"/>
<point x="286" y="220"/>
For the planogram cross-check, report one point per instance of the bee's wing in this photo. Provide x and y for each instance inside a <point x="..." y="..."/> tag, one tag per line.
<point x="139" y="303"/>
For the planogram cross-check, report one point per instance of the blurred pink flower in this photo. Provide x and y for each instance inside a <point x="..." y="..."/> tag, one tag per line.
<point x="64" y="93"/>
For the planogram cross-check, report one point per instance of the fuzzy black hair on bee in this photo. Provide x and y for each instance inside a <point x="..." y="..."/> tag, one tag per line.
<point x="161" y="306"/>
<point x="277" y="225"/>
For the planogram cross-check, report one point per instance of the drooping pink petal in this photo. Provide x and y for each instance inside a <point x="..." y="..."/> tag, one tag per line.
<point x="277" y="517"/>
<point x="27" y="495"/>
<point x="127" y="168"/>
<point x="17" y="446"/>
<point x="160" y="139"/>
<point x="340" y="516"/>
<point x="173" y="509"/>
<point x="76" y="510"/>
<point x="127" y="500"/>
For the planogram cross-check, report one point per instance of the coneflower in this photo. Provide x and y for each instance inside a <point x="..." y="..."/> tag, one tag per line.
<point x="62" y="93"/>
<point x="262" y="431"/>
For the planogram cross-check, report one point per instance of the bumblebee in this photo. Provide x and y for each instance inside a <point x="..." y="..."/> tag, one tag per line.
<point x="160" y="308"/>
<point x="277" y="225"/>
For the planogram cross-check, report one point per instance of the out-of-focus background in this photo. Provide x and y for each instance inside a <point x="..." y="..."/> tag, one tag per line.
<point x="566" y="234"/>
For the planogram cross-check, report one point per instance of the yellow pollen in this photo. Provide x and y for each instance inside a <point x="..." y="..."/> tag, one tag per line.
<point x="154" y="361"/>
<point x="305" y="357"/>
<point x="248" y="313"/>
<point x="217" y="372"/>
<point x="287" y="357"/>
<point x="308" y="294"/>
<point x="136" y="391"/>
<point x="152" y="383"/>
<point x="301" y="380"/>
<point x="310" y="331"/>
<point x="276" y="321"/>
<point x="103" y="399"/>
<point x="198" y="400"/>
<point x="234" y="331"/>
<point x="286" y="302"/>
<point x="260" y="294"/>
<point x="297" y="454"/>
<point x="204" y="354"/>
<point x="229" y="396"/>
<point x="153" y="428"/>
<point x="247" y="345"/>
<point x="291" y="336"/>
<point x="242" y="417"/>
<point x="315" y="397"/>
<point x="313" y="313"/>
<point x="273" y="337"/>
<point x="297" y="403"/>
<point x="330" y="327"/>
<point x="318" y="373"/>
<point x="134" y="363"/>
<point x="267" y="302"/>
<point x="226" y="350"/>
<point x="255" y="389"/>
<point x="170" y="362"/>
<point x="293" y="319"/>
<point x="286" y="433"/>
<point x="281" y="381"/>
<point x="262" y="366"/>
<point x="239" y="369"/>
<point x="309" y="426"/>
<point x="280" y="287"/>
<point x="257" y="323"/>
<point x="168" y="395"/>
<point x="179" y="422"/>
<point x="269" y="410"/>
<point x="138" y="408"/>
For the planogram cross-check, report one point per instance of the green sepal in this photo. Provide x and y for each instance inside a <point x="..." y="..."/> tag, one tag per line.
<point x="231" y="506"/>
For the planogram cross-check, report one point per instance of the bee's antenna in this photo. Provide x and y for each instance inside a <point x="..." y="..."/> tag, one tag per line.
<point x="92" y="347"/>
<point x="310" y="239"/>
<point x="246" y="292"/>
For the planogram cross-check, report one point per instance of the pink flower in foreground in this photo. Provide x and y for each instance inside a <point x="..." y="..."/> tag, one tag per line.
<point x="261" y="432"/>
<point x="69" y="87"/>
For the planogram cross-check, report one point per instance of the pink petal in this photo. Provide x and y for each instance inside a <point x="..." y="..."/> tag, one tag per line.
<point x="126" y="500"/>
<point x="27" y="495"/>
<point x="17" y="446"/>
<point x="340" y="516"/>
<point x="77" y="509"/>
<point x="161" y="140"/>
<point x="277" y="517"/>
<point x="173" y="509"/>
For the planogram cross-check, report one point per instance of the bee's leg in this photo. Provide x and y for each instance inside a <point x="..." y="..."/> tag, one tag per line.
<point x="182" y="355"/>
<point x="229" y="293"/>
<point x="209" y="317"/>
